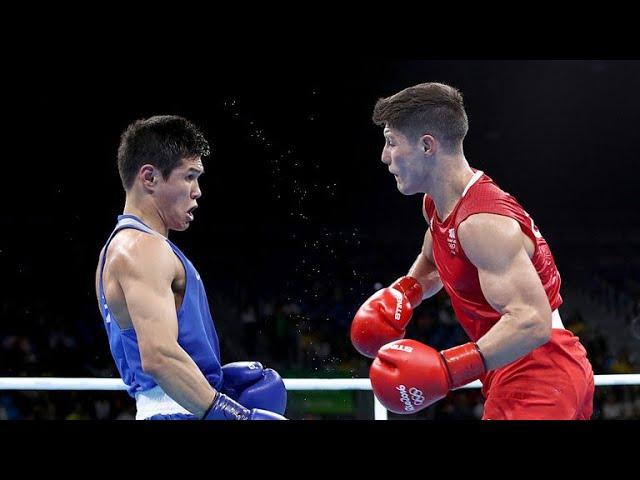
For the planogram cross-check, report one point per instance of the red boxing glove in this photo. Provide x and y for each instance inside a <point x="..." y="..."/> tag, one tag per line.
<point x="408" y="376"/>
<point x="385" y="315"/>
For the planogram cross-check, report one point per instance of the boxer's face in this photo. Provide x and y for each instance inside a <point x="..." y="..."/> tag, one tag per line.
<point x="177" y="195"/>
<point x="405" y="159"/>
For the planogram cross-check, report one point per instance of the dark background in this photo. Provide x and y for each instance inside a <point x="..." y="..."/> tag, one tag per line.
<point x="297" y="208"/>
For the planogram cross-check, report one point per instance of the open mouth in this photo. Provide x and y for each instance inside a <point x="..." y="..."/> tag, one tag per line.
<point x="190" y="212"/>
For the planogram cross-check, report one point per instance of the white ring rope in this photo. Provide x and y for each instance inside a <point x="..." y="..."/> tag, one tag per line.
<point x="380" y="413"/>
<point x="59" y="383"/>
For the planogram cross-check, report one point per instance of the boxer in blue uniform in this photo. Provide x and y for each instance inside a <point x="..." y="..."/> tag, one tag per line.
<point x="152" y="300"/>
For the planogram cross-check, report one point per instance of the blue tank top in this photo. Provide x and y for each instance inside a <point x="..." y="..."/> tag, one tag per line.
<point x="196" y="333"/>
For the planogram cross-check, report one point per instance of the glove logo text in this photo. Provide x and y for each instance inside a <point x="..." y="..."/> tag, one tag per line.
<point x="410" y="398"/>
<point x="398" y="313"/>
<point x="402" y="348"/>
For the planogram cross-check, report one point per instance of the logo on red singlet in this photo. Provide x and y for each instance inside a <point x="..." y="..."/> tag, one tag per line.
<point x="451" y="240"/>
<point x="534" y="228"/>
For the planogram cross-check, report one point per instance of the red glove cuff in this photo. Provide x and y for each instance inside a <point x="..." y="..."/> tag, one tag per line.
<point x="410" y="288"/>
<point x="465" y="364"/>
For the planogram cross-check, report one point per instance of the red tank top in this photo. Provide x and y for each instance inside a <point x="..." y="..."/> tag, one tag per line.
<point x="459" y="276"/>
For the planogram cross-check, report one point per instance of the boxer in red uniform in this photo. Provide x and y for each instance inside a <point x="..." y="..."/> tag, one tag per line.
<point x="492" y="260"/>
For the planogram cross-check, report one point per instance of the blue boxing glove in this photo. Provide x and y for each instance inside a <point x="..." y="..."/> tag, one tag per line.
<point x="254" y="386"/>
<point x="225" y="408"/>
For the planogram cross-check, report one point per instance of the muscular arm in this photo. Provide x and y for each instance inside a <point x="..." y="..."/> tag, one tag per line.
<point x="510" y="283"/>
<point x="424" y="269"/>
<point x="145" y="273"/>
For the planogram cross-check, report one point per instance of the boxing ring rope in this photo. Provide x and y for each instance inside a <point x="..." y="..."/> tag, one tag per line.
<point x="307" y="384"/>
